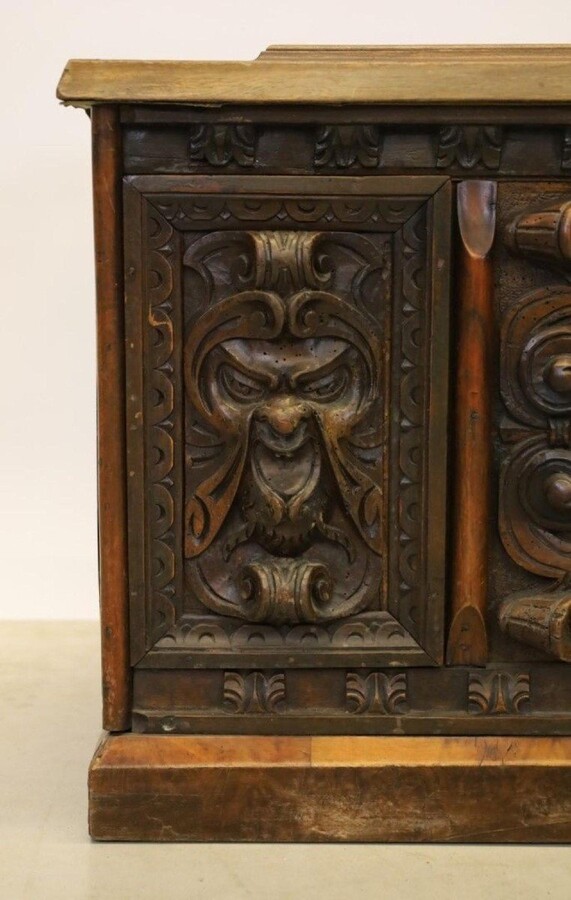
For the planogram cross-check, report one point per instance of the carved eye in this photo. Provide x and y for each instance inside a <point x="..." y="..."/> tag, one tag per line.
<point x="239" y="386"/>
<point x="327" y="388"/>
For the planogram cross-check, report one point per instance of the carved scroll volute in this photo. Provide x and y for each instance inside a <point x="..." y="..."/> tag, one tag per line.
<point x="535" y="486"/>
<point x="467" y="642"/>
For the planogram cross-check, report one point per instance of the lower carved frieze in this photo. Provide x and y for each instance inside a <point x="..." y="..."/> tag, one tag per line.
<point x="513" y="699"/>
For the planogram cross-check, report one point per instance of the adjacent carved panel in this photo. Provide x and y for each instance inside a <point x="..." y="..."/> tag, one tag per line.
<point x="376" y="693"/>
<point x="254" y="692"/>
<point x="343" y="146"/>
<point x="469" y="146"/>
<point x="219" y="145"/>
<point x="498" y="693"/>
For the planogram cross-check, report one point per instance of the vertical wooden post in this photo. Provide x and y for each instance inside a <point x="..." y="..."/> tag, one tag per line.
<point x="467" y="641"/>
<point x="113" y="587"/>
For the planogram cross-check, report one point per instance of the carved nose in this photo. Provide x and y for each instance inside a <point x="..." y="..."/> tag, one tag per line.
<point x="284" y="414"/>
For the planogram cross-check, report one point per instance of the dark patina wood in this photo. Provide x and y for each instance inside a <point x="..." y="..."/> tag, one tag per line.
<point x="290" y="286"/>
<point x="112" y="479"/>
<point x="467" y="641"/>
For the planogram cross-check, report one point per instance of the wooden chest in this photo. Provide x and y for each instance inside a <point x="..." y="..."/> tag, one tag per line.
<point x="334" y="343"/>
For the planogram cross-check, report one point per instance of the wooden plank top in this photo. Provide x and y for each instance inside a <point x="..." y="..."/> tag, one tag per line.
<point x="532" y="74"/>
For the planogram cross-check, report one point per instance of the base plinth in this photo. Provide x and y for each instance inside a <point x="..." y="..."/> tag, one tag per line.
<point x="243" y="788"/>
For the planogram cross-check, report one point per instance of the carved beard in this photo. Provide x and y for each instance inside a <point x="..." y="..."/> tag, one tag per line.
<point x="283" y="495"/>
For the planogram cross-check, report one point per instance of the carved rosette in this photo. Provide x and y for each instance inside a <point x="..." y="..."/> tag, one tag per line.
<point x="535" y="486"/>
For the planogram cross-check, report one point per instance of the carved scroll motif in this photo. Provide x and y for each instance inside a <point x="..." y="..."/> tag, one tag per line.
<point x="535" y="488"/>
<point x="284" y="516"/>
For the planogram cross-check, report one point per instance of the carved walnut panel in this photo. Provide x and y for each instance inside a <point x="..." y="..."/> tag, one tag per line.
<point x="288" y="385"/>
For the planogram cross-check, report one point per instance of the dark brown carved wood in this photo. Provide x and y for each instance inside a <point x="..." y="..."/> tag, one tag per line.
<point x="467" y="641"/>
<point x="307" y="557"/>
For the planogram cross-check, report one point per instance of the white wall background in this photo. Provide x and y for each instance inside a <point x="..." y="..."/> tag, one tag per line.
<point x="48" y="566"/>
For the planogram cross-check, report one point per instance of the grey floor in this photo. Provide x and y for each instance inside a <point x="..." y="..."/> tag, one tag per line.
<point x="49" y="725"/>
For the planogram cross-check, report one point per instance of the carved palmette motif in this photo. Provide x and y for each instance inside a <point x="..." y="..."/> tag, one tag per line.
<point x="254" y="692"/>
<point x="221" y="144"/>
<point x="283" y="521"/>
<point x="535" y="487"/>
<point x="469" y="146"/>
<point x="498" y="693"/>
<point x="343" y="146"/>
<point x="376" y="693"/>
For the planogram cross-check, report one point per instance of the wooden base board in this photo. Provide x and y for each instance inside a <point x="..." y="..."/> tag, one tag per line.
<point x="243" y="788"/>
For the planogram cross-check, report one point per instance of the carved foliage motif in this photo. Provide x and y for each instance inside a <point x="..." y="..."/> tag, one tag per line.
<point x="498" y="693"/>
<point x="254" y="692"/>
<point x="220" y="145"/>
<point x="376" y="693"/>
<point x="469" y="146"/>
<point x="283" y="378"/>
<point x="343" y="146"/>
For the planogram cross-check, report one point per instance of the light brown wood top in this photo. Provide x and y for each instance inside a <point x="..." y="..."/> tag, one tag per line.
<point x="331" y="75"/>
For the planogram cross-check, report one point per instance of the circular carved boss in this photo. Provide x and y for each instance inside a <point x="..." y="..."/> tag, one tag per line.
<point x="536" y="357"/>
<point x="535" y="507"/>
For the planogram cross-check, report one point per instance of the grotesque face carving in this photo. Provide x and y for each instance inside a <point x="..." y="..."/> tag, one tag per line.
<point x="285" y="390"/>
<point x="288" y="395"/>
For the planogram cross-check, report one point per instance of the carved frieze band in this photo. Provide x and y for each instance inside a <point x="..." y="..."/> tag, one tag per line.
<point x="349" y="146"/>
<point x="535" y="487"/>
